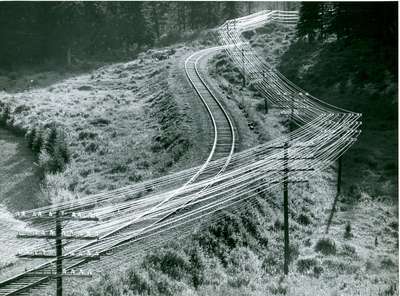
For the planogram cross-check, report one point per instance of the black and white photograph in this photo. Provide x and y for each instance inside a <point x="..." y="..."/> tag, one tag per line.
<point x="199" y="148"/>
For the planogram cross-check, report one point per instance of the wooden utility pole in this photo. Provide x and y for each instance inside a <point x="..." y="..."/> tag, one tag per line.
<point x="291" y="123"/>
<point x="339" y="176"/>
<point x="59" y="254"/>
<point x="286" y="210"/>
<point x="243" y="70"/>
<point x="286" y="180"/>
<point x="58" y="236"/>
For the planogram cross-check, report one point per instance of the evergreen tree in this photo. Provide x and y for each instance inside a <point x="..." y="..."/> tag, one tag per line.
<point x="37" y="143"/>
<point x="230" y="10"/>
<point x="51" y="140"/>
<point x="310" y="22"/>
<point x="138" y="29"/>
<point x="30" y="137"/>
<point x="197" y="14"/>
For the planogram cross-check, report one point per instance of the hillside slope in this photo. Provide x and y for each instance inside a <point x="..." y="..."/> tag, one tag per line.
<point x="355" y="78"/>
<point x="242" y="252"/>
<point x="122" y="123"/>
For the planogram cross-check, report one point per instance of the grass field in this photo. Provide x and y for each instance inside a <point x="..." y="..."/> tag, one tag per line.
<point x="124" y="123"/>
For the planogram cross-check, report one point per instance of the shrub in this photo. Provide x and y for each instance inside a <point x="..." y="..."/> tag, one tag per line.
<point x="37" y="142"/>
<point x="306" y="264"/>
<point x="51" y="140"/>
<point x="63" y="148"/>
<point x="21" y="108"/>
<point x="100" y="121"/>
<point x="293" y="252"/>
<point x="170" y="262"/>
<point x="278" y="225"/>
<point x="30" y="137"/>
<point x="106" y="286"/>
<point x="91" y="147"/>
<point x="304" y="220"/>
<point x="5" y="115"/>
<point x="387" y="263"/>
<point x="391" y="290"/>
<point x="138" y="282"/>
<point x="270" y="263"/>
<point x="135" y="177"/>
<point x="225" y="236"/>
<point x="326" y="246"/>
<point x="347" y="231"/>
<point x="349" y="251"/>
<point x="248" y="34"/>
<point x="244" y="267"/>
<point x="317" y="270"/>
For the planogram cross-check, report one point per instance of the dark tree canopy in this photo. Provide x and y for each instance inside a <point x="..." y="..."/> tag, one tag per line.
<point x="373" y="24"/>
<point x="310" y="19"/>
<point x="33" y="32"/>
<point x="349" y="20"/>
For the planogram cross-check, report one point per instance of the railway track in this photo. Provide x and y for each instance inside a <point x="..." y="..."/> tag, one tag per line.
<point x="223" y="146"/>
<point x="224" y="132"/>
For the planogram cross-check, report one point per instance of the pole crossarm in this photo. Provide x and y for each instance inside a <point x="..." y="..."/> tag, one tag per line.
<point x="43" y="255"/>
<point x="65" y="273"/>
<point x="52" y="216"/>
<point x="52" y="235"/>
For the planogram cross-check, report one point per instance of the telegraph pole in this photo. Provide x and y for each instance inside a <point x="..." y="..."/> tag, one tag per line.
<point x="286" y="180"/>
<point x="339" y="176"/>
<point x="286" y="210"/>
<point x="58" y="236"/>
<point x="59" y="254"/>
<point x="243" y="73"/>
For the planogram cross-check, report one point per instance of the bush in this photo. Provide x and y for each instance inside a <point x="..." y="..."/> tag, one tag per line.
<point x="106" y="286"/>
<point x="326" y="246"/>
<point x="244" y="267"/>
<point x="347" y="231"/>
<point x="317" y="270"/>
<point x="37" y="142"/>
<point x="293" y="252"/>
<point x="304" y="220"/>
<point x="197" y="266"/>
<point x="5" y="115"/>
<point x="51" y="140"/>
<point x="170" y="262"/>
<point x="30" y="137"/>
<point x="306" y="264"/>
<point x="138" y="282"/>
<point x="349" y="251"/>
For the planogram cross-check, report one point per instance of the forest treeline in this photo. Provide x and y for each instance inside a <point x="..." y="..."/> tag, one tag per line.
<point x="347" y="54"/>
<point x="373" y="23"/>
<point x="32" y="32"/>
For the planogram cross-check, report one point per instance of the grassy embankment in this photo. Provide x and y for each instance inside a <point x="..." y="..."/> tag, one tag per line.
<point x="242" y="254"/>
<point x="119" y="124"/>
<point x="97" y="125"/>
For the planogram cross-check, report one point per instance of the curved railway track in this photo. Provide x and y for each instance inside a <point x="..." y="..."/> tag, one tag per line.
<point x="223" y="146"/>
